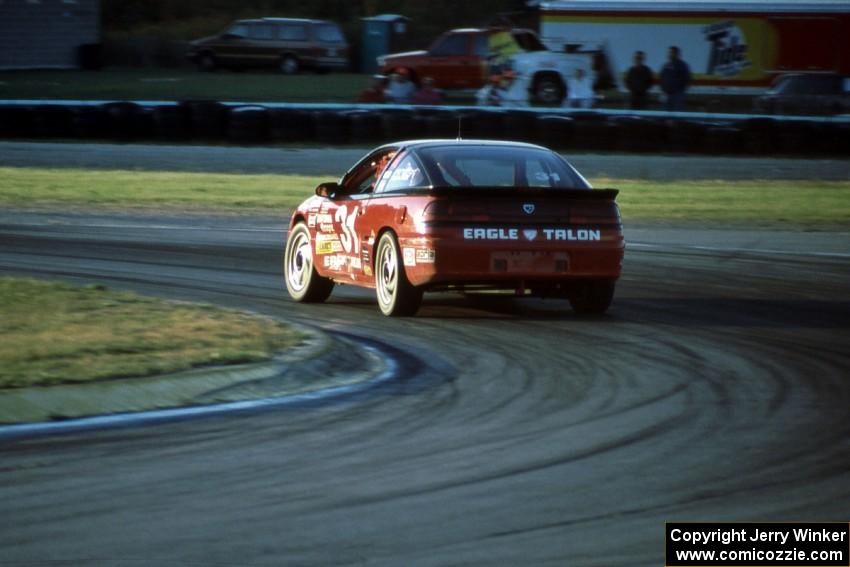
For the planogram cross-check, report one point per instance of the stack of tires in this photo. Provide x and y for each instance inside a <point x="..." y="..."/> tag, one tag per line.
<point x="127" y="121"/>
<point x="686" y="136"/>
<point x="760" y="136"/>
<point x="640" y="134"/>
<point x="723" y="138"/>
<point x="520" y="125"/>
<point x="588" y="130"/>
<point x="90" y="122"/>
<point x="401" y="124"/>
<point x="593" y="131"/>
<point x="441" y="124"/>
<point x="364" y="126"/>
<point x="291" y="125"/>
<point x="207" y="119"/>
<point x="172" y="122"/>
<point x="248" y="124"/>
<point x="53" y="121"/>
<point x="555" y="131"/>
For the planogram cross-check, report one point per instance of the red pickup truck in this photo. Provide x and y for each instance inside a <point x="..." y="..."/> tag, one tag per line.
<point x="464" y="59"/>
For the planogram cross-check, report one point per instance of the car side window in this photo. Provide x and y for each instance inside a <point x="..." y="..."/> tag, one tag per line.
<point x="403" y="174"/>
<point x="482" y="45"/>
<point x="260" y="31"/>
<point x="830" y="85"/>
<point x="329" y="33"/>
<point x="365" y="175"/>
<point x="453" y="44"/>
<point x="795" y="85"/>
<point x="293" y="32"/>
<point x="237" y="30"/>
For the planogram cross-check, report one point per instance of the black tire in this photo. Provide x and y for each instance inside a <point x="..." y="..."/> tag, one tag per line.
<point x="207" y="62"/>
<point x="594" y="298"/>
<point x="248" y="124"/>
<point x="303" y="282"/>
<point x="397" y="297"/>
<point x="289" y="65"/>
<point x="549" y="90"/>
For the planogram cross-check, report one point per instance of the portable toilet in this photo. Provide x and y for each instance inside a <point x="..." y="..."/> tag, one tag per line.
<point x="382" y="34"/>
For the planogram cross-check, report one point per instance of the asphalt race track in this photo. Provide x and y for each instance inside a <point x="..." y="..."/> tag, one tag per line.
<point x="717" y="389"/>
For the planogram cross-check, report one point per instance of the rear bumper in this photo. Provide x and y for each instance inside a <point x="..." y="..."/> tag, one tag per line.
<point x="329" y="63"/>
<point x="433" y="262"/>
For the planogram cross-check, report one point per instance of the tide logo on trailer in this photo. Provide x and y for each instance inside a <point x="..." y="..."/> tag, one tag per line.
<point x="728" y="52"/>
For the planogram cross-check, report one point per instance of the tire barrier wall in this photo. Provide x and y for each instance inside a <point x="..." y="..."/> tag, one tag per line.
<point x="583" y="130"/>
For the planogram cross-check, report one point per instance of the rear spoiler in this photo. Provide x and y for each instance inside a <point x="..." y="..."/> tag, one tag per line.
<point x="513" y="192"/>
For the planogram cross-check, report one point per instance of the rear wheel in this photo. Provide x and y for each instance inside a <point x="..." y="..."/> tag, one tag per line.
<point x="397" y="297"/>
<point x="303" y="283"/>
<point x="594" y="298"/>
<point x="289" y="65"/>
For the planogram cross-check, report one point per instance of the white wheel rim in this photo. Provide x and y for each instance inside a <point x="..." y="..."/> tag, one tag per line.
<point x="387" y="274"/>
<point x="299" y="264"/>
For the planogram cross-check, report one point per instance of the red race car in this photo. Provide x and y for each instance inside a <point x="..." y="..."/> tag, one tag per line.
<point x="436" y="215"/>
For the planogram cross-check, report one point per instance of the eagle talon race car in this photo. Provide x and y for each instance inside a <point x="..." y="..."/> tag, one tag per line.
<point x="466" y="215"/>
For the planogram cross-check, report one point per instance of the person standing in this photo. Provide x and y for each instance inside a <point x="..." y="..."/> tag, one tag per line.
<point x="491" y="93"/>
<point x="513" y="90"/>
<point x="401" y="88"/>
<point x="674" y="78"/>
<point x="639" y="80"/>
<point x="579" y="90"/>
<point x="427" y="94"/>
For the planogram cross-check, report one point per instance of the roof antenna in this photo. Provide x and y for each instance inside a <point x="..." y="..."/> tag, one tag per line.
<point x="459" y="120"/>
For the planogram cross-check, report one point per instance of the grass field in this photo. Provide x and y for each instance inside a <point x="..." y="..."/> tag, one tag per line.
<point x="181" y="84"/>
<point x="54" y="333"/>
<point x="152" y="190"/>
<point x="806" y="205"/>
<point x="774" y="204"/>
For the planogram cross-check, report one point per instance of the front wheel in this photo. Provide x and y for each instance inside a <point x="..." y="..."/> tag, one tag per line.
<point x="594" y="298"/>
<point x="549" y="90"/>
<point x="289" y="65"/>
<point x="303" y="283"/>
<point x="397" y="297"/>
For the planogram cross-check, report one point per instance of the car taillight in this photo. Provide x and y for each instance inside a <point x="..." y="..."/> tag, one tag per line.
<point x="436" y="210"/>
<point x="594" y="212"/>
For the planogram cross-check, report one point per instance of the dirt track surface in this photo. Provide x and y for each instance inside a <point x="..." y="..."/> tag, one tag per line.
<point x="332" y="162"/>
<point x="715" y="390"/>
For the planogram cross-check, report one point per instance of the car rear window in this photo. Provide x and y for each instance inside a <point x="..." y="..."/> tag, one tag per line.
<point x="499" y="166"/>
<point x="450" y="45"/>
<point x="329" y="33"/>
<point x="528" y="41"/>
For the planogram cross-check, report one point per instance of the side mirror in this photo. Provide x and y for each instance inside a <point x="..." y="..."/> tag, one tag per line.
<point x="328" y="189"/>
